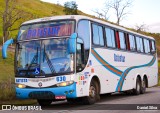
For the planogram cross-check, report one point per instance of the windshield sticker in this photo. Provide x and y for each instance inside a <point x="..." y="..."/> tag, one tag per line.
<point x="37" y="71"/>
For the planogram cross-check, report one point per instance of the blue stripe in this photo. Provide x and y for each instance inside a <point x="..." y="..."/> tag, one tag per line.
<point x="108" y="64"/>
<point x="129" y="69"/>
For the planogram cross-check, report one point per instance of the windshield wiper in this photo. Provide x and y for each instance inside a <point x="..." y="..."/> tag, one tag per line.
<point x="34" y="61"/>
<point x="49" y="61"/>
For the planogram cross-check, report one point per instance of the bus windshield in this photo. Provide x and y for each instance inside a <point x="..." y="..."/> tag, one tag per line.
<point x="44" y="57"/>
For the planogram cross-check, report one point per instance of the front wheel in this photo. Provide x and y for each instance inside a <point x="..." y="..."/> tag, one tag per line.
<point x="93" y="93"/>
<point x="44" y="102"/>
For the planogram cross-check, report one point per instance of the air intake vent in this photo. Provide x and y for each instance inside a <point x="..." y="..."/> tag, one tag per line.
<point x="41" y="95"/>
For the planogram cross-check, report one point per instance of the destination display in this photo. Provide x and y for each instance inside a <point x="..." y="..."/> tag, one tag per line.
<point x="44" y="31"/>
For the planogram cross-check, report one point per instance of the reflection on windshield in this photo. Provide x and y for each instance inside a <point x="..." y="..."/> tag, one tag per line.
<point x="44" y="57"/>
<point x="29" y="54"/>
<point x="55" y="56"/>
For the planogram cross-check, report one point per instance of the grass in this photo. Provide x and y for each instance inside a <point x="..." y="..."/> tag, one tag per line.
<point x="159" y="73"/>
<point x="7" y="90"/>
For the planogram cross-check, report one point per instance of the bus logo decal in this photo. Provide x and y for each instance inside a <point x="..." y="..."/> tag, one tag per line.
<point x="124" y="74"/>
<point x="121" y="74"/>
<point x="106" y="64"/>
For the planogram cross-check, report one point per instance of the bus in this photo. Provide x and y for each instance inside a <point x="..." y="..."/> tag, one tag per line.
<point x="77" y="58"/>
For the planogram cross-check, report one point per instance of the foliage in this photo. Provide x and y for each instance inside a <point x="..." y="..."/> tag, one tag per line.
<point x="32" y="8"/>
<point x="7" y="91"/>
<point x="120" y="7"/>
<point x="70" y="8"/>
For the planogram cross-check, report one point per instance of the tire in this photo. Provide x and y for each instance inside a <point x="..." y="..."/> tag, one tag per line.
<point x="93" y="93"/>
<point x="44" y="102"/>
<point x="137" y="90"/>
<point x="143" y="88"/>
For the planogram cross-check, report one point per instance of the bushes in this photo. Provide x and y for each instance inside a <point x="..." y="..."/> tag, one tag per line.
<point x="7" y="91"/>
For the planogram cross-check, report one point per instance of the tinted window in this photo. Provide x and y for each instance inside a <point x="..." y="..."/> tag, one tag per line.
<point x="146" y="46"/>
<point x="122" y="40"/>
<point x="110" y="37"/>
<point x="84" y="34"/>
<point x="132" y="43"/>
<point x="153" y="46"/>
<point x="97" y="35"/>
<point x="139" y="44"/>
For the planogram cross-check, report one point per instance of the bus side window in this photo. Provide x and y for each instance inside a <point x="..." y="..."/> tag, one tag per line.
<point x="152" y="46"/>
<point x="80" y="57"/>
<point x="139" y="44"/>
<point x="122" y="41"/>
<point x="84" y="33"/>
<point x="97" y="35"/>
<point x="146" y="46"/>
<point x="132" y="42"/>
<point x="110" y="37"/>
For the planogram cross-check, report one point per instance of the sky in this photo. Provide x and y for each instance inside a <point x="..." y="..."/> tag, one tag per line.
<point x="141" y="12"/>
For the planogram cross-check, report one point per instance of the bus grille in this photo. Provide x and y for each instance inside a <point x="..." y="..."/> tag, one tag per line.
<point x="41" y="95"/>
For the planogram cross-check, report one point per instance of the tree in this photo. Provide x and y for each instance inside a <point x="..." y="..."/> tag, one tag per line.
<point x="102" y="14"/>
<point x="10" y="16"/>
<point x="70" y="8"/>
<point x="142" y="27"/>
<point x="120" y="7"/>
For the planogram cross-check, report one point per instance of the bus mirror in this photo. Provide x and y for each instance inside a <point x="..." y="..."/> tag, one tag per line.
<point x="5" y="47"/>
<point x="72" y="43"/>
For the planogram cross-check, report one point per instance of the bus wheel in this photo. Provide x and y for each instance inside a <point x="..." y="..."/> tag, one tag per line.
<point x="143" y="88"/>
<point x="93" y="93"/>
<point x="138" y="87"/>
<point x="44" y="102"/>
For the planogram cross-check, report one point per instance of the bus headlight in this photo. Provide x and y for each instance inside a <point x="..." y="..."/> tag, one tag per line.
<point x="67" y="83"/>
<point x="20" y="85"/>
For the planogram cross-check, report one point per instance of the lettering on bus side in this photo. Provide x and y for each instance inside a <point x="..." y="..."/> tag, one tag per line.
<point x="21" y="80"/>
<point x="119" y="58"/>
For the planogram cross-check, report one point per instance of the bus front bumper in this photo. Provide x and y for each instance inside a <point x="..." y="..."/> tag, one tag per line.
<point x="47" y="93"/>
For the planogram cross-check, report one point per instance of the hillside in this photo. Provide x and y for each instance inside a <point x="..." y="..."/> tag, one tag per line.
<point x="37" y="9"/>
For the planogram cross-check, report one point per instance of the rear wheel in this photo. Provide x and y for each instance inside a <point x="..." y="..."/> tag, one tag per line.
<point x="93" y="93"/>
<point x="143" y="88"/>
<point x="137" y="90"/>
<point x="44" y="102"/>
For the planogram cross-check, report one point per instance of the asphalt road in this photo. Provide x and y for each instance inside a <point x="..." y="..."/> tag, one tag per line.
<point x="115" y="103"/>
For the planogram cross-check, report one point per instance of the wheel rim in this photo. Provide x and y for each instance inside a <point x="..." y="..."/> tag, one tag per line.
<point x="92" y="91"/>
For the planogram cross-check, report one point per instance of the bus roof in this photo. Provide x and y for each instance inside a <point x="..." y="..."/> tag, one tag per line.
<point x="79" y="17"/>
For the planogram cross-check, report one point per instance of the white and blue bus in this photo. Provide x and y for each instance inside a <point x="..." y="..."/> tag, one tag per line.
<point x="78" y="58"/>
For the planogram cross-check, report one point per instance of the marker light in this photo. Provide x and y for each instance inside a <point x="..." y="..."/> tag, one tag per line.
<point x="67" y="83"/>
<point x="20" y="85"/>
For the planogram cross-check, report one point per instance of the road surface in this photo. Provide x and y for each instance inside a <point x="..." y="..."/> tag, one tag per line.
<point x="115" y="103"/>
